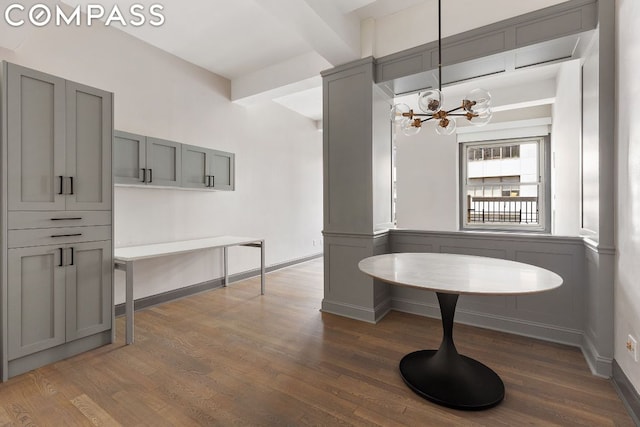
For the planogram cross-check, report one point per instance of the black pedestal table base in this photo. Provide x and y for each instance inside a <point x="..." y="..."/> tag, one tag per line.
<point x="445" y="377"/>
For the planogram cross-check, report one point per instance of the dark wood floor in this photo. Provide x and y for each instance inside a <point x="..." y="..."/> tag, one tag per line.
<point x="233" y="357"/>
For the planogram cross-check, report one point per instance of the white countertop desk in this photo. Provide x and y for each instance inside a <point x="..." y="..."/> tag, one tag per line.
<point x="444" y="376"/>
<point x="125" y="257"/>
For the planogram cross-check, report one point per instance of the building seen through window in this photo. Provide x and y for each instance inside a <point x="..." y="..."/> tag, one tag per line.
<point x="503" y="184"/>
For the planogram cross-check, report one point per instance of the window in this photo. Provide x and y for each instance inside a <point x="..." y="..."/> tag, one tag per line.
<point x="504" y="185"/>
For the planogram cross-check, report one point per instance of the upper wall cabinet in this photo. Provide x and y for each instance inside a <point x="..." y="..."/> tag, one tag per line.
<point x="143" y="160"/>
<point x="164" y="162"/>
<point x="223" y="171"/>
<point x="207" y="168"/>
<point x="59" y="150"/>
<point x="196" y="166"/>
<point x="129" y="158"/>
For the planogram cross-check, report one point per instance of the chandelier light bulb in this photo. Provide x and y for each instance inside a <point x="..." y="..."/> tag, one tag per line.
<point x="398" y="113"/>
<point x="409" y="129"/>
<point x="431" y="101"/>
<point x="445" y="126"/>
<point x="482" y="118"/>
<point x="477" y="101"/>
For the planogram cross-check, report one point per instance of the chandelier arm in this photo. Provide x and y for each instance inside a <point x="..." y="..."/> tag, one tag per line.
<point x="455" y="109"/>
<point x="411" y="115"/>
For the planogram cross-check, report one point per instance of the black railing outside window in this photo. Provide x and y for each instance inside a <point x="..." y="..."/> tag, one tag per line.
<point x="502" y="210"/>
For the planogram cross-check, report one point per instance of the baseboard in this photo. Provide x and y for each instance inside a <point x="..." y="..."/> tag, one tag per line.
<point x="601" y="366"/>
<point x="627" y="392"/>
<point x="186" y="291"/>
<point x="351" y="311"/>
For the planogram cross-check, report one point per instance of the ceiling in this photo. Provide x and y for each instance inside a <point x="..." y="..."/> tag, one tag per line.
<point x="275" y="48"/>
<point x="268" y="49"/>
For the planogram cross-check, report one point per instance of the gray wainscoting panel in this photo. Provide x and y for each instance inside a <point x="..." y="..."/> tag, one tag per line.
<point x="562" y="306"/>
<point x="349" y="292"/>
<point x="599" y="308"/>
<point x="554" y="316"/>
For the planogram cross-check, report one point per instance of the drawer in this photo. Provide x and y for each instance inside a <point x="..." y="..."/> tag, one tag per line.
<point x="57" y="236"/>
<point x="19" y="220"/>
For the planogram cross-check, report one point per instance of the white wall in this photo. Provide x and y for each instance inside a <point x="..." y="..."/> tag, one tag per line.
<point x="427" y="181"/>
<point x="565" y="151"/>
<point x="627" y="286"/>
<point x="590" y="221"/>
<point x="278" y="155"/>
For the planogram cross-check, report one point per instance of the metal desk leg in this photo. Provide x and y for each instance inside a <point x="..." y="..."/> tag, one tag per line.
<point x="262" y="267"/>
<point x="226" y="265"/>
<point x="129" y="302"/>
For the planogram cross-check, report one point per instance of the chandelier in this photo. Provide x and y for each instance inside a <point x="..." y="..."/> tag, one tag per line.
<point x="475" y="107"/>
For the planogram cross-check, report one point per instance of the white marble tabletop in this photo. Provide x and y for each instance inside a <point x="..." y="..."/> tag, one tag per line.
<point x="460" y="274"/>
<point x="133" y="253"/>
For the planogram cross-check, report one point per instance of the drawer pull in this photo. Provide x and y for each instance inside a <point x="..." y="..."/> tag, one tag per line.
<point x="66" y="235"/>
<point x="66" y="219"/>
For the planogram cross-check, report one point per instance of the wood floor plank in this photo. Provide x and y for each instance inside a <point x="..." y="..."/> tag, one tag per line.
<point x="5" y="419"/>
<point x="93" y="412"/>
<point x="233" y="357"/>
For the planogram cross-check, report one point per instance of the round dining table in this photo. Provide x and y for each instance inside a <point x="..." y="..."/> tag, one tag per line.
<point x="443" y="376"/>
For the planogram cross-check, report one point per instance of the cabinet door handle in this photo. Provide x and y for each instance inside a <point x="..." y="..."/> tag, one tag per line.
<point x="66" y="219"/>
<point x="150" y="175"/>
<point x="61" y="185"/>
<point x="144" y="175"/>
<point x="71" y="263"/>
<point x="55" y="236"/>
<point x="208" y="180"/>
<point x="61" y="264"/>
<point x="213" y="180"/>
<point x="71" y="186"/>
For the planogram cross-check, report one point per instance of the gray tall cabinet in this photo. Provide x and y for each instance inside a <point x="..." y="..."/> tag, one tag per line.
<point x="57" y="245"/>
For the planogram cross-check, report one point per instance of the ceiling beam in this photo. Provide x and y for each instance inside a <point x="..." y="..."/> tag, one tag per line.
<point x="284" y="78"/>
<point x="334" y="35"/>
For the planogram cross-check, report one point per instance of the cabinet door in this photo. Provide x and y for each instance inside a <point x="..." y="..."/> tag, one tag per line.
<point x="129" y="158"/>
<point x="88" y="149"/>
<point x="223" y="171"/>
<point x="195" y="166"/>
<point x="164" y="161"/>
<point x="89" y="288"/>
<point x="36" y="139"/>
<point x="36" y="306"/>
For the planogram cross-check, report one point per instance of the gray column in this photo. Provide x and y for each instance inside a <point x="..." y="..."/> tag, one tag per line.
<point x="357" y="188"/>
<point x="598" y="343"/>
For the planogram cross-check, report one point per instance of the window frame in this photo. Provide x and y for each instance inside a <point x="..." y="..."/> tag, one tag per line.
<point x="544" y="186"/>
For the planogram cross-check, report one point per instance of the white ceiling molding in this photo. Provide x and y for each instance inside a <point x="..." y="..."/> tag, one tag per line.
<point x="506" y="130"/>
